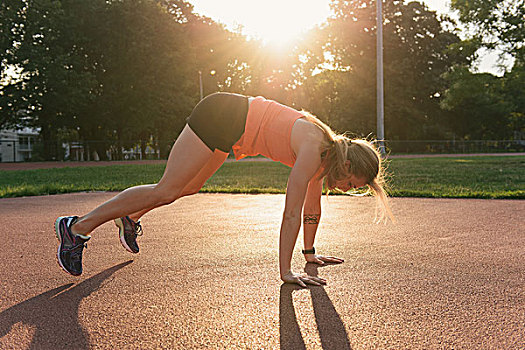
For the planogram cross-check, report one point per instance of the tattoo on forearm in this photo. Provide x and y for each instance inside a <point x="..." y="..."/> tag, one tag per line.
<point x="311" y="218"/>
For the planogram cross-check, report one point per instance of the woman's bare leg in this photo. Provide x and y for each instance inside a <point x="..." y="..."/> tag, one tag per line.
<point x="187" y="157"/>
<point x="198" y="181"/>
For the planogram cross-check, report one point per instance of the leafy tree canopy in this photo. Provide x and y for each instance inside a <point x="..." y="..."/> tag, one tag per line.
<point x="498" y="24"/>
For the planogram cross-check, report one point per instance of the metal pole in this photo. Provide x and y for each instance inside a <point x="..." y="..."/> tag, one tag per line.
<point x="380" y="94"/>
<point x="200" y="84"/>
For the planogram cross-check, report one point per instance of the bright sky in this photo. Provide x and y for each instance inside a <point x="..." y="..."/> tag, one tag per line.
<point x="279" y="21"/>
<point x="275" y="20"/>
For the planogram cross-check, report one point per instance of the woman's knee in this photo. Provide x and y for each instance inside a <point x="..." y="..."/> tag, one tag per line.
<point x="164" y="195"/>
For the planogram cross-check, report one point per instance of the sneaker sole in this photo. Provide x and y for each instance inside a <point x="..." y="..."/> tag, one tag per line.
<point x="57" y="232"/>
<point x="120" y="225"/>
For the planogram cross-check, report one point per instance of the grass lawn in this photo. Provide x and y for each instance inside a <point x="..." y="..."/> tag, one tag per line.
<point x="469" y="177"/>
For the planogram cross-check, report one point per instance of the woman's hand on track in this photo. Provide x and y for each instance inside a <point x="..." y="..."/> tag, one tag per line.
<point x="302" y="279"/>
<point x="321" y="259"/>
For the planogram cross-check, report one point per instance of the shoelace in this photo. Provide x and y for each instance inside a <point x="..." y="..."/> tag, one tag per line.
<point x="138" y="228"/>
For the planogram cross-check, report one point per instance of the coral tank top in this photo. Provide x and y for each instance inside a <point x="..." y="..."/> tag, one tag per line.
<point x="268" y="131"/>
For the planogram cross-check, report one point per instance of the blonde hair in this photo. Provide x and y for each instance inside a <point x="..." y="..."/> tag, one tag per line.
<point x="364" y="161"/>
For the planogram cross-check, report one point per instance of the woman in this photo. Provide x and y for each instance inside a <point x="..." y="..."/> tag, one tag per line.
<point x="250" y="126"/>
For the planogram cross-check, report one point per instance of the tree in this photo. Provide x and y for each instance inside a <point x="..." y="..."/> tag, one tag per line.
<point x="113" y="71"/>
<point x="496" y="24"/>
<point x="11" y="30"/>
<point x="416" y="54"/>
<point x="143" y="63"/>
<point x="479" y="105"/>
<point x="514" y="93"/>
<point x="51" y="81"/>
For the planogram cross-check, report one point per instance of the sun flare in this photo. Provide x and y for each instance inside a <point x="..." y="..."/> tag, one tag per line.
<point x="276" y="22"/>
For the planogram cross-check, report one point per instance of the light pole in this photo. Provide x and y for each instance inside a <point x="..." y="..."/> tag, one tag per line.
<point x="380" y="94"/>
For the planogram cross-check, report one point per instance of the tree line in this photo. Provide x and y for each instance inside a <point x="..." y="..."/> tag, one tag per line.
<point x="121" y="72"/>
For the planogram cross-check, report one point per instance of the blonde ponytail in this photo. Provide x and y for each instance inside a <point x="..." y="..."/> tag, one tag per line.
<point x="364" y="161"/>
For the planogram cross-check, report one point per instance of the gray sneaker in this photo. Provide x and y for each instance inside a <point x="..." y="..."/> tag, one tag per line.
<point x="129" y="230"/>
<point x="70" y="249"/>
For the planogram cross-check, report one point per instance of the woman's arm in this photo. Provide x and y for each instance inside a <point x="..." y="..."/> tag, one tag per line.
<point x="311" y="218"/>
<point x="304" y="169"/>
<point x="312" y="211"/>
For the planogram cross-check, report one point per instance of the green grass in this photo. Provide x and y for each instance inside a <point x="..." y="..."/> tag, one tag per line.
<point x="471" y="177"/>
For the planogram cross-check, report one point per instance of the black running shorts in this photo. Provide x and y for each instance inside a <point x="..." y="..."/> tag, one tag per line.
<point x="219" y="120"/>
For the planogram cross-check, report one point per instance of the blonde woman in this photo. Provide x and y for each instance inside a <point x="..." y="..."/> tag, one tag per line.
<point x="249" y="126"/>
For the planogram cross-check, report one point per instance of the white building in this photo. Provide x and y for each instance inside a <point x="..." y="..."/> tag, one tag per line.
<point x="17" y="145"/>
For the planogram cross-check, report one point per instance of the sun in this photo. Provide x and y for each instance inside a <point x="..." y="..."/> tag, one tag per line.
<point x="278" y="27"/>
<point x="279" y="22"/>
<point x="276" y="22"/>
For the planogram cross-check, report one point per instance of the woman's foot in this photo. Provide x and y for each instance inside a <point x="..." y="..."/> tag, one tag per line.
<point x="71" y="245"/>
<point x="129" y="230"/>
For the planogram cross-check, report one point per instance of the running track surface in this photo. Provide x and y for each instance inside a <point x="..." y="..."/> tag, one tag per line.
<point x="448" y="275"/>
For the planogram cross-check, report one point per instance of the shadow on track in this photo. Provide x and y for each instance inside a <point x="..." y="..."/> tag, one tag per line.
<point x="54" y="314"/>
<point x="329" y="325"/>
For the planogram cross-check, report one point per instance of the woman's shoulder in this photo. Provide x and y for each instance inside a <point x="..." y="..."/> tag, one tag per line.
<point x="309" y="130"/>
<point x="307" y="134"/>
